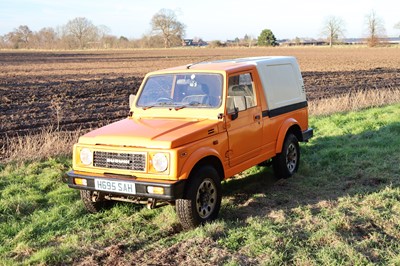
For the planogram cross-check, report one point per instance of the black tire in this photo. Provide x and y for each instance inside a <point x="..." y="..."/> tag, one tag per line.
<point x="287" y="162"/>
<point x="93" y="201"/>
<point x="202" y="200"/>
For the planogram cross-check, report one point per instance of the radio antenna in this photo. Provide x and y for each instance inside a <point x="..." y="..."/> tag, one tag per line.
<point x="205" y="60"/>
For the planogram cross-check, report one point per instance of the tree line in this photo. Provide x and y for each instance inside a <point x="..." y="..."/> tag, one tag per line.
<point x="78" y="33"/>
<point x="166" y="31"/>
<point x="81" y="33"/>
<point x="334" y="29"/>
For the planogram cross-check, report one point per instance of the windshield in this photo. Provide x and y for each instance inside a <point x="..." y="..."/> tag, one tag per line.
<point x="192" y="90"/>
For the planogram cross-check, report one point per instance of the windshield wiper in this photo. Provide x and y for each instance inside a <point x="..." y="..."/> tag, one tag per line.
<point x="190" y="104"/>
<point x="147" y="107"/>
<point x="180" y="107"/>
<point x="163" y="104"/>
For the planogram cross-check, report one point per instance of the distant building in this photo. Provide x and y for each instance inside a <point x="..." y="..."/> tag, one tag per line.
<point x="354" y="41"/>
<point x="346" y="41"/>
<point x="391" y="40"/>
<point x="302" y="42"/>
<point x="192" y="42"/>
<point x="388" y="40"/>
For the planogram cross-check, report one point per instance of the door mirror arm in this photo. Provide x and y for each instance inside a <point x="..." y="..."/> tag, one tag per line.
<point x="235" y="114"/>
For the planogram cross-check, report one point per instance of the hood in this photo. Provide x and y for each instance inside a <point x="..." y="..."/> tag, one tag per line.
<point x="162" y="133"/>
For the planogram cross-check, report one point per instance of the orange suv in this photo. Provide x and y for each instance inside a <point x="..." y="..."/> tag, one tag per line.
<point x="191" y="127"/>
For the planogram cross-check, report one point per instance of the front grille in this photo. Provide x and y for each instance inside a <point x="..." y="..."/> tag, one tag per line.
<point x="124" y="161"/>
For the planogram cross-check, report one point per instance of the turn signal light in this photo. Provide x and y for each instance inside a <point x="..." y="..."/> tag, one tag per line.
<point x="81" y="182"/>
<point x="155" y="190"/>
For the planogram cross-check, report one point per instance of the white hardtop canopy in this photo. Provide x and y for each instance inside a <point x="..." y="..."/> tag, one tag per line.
<point x="259" y="60"/>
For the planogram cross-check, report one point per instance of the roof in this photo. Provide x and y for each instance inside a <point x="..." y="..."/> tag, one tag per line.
<point x="230" y="64"/>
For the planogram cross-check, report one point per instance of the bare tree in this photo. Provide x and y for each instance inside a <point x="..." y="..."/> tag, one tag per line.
<point x="106" y="40"/>
<point x="109" y="41"/>
<point x="46" y="38"/>
<point x="375" y="28"/>
<point x="166" y="24"/>
<point x="81" y="31"/>
<point x="24" y="33"/>
<point x="20" y="37"/>
<point x="333" y="29"/>
<point x="2" y="42"/>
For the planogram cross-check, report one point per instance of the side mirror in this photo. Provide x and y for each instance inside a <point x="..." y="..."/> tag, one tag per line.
<point x="235" y="114"/>
<point x="131" y="100"/>
<point x="232" y="110"/>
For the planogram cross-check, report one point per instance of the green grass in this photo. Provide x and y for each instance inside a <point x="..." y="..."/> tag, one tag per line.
<point x="343" y="207"/>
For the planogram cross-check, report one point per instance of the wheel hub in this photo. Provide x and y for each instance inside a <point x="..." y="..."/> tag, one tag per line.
<point x="206" y="198"/>
<point x="291" y="157"/>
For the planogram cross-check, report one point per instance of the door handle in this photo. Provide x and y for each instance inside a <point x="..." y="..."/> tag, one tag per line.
<point x="257" y="117"/>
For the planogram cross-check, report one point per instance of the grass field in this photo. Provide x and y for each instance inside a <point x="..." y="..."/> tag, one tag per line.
<point x="342" y="208"/>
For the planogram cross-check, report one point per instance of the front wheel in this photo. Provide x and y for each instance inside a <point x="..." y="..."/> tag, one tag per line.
<point x="94" y="201"/>
<point x="287" y="162"/>
<point x="202" y="199"/>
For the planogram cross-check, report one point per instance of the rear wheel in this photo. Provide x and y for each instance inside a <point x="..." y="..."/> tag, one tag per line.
<point x="287" y="162"/>
<point x="202" y="199"/>
<point x="94" y="201"/>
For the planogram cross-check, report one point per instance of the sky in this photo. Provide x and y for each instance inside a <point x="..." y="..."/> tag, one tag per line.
<point x="206" y="19"/>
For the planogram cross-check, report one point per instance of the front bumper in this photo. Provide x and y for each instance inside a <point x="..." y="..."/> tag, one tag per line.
<point x="171" y="189"/>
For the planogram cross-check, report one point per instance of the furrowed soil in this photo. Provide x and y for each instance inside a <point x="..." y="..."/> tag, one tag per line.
<point x="70" y="90"/>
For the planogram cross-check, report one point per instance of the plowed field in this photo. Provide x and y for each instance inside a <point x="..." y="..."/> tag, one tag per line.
<point x="88" y="89"/>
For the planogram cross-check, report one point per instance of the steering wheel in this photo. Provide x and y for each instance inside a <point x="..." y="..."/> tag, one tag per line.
<point x="194" y="103"/>
<point x="164" y="100"/>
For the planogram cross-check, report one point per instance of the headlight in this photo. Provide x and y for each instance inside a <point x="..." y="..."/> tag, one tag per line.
<point x="160" y="162"/>
<point x="86" y="156"/>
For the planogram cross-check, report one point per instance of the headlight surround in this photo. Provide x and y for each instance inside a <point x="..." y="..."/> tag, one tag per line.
<point x="86" y="156"/>
<point x="160" y="162"/>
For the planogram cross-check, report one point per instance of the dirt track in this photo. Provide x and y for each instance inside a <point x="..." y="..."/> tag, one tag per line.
<point x="89" y="89"/>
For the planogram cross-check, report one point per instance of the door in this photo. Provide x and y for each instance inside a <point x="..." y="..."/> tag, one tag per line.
<point x="243" y="122"/>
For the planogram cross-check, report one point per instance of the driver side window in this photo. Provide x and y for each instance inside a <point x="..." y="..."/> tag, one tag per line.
<point x="240" y="93"/>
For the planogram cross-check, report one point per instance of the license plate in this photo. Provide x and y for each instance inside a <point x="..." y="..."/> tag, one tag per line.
<point x="115" y="186"/>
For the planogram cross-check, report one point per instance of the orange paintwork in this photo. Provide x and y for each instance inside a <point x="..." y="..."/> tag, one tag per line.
<point x="285" y="121"/>
<point x="155" y="133"/>
<point x="190" y="134"/>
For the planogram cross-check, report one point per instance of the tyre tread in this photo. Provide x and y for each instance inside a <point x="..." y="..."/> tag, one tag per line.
<point x="91" y="206"/>
<point x="186" y="213"/>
